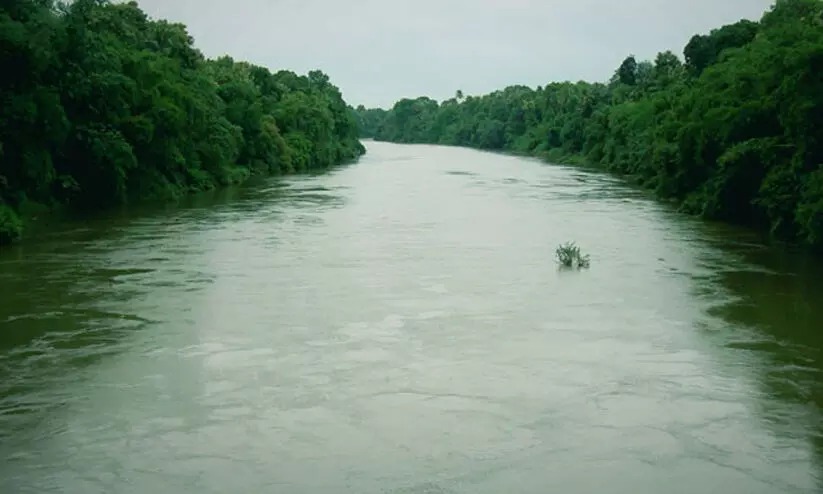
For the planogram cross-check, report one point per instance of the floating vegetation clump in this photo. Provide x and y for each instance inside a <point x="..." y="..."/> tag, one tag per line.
<point x="569" y="256"/>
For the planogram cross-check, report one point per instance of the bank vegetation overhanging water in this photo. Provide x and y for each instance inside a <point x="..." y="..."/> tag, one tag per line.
<point x="101" y="106"/>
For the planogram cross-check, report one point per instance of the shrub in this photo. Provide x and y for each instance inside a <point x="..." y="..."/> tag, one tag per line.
<point x="10" y="225"/>
<point x="569" y="255"/>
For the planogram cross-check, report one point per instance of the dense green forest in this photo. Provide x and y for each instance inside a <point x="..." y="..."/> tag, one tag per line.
<point x="733" y="131"/>
<point x="100" y="105"/>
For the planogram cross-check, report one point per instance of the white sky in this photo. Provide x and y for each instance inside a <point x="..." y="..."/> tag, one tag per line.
<point x="378" y="51"/>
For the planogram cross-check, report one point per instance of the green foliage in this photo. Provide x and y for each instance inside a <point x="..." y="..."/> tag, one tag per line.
<point x="627" y="73"/>
<point x="10" y="225"/>
<point x="705" y="50"/>
<point x="102" y="105"/>
<point x="734" y="132"/>
<point x="569" y="256"/>
<point x="368" y="120"/>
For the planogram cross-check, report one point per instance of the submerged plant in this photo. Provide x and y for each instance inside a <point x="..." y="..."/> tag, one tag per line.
<point x="569" y="256"/>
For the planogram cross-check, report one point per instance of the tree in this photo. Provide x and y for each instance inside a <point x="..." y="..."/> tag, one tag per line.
<point x="627" y="72"/>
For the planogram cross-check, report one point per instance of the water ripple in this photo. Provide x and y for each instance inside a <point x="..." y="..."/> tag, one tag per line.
<point x="400" y="326"/>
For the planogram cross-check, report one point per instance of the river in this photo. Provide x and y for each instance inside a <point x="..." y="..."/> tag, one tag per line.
<point x="399" y="325"/>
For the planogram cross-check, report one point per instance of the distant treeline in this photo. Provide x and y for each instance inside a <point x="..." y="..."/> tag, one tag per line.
<point x="99" y="105"/>
<point x="734" y="132"/>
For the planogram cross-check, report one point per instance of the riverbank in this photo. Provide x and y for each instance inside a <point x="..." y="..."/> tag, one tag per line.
<point x="109" y="107"/>
<point x="34" y="220"/>
<point x="725" y="133"/>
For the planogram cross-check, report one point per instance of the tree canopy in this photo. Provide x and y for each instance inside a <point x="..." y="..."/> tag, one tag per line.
<point x="100" y="105"/>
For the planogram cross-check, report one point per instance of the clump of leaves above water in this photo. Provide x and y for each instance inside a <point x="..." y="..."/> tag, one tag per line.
<point x="570" y="256"/>
<point x="10" y="225"/>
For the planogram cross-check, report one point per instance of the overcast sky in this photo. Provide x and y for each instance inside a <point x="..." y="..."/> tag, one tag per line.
<point x="377" y="51"/>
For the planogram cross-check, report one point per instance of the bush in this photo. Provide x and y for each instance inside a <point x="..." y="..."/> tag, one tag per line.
<point x="569" y="256"/>
<point x="10" y="225"/>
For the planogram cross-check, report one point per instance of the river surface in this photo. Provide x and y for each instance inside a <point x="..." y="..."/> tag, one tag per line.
<point x="399" y="325"/>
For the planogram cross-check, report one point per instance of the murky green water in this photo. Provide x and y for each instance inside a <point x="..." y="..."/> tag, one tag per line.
<point x="400" y="326"/>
